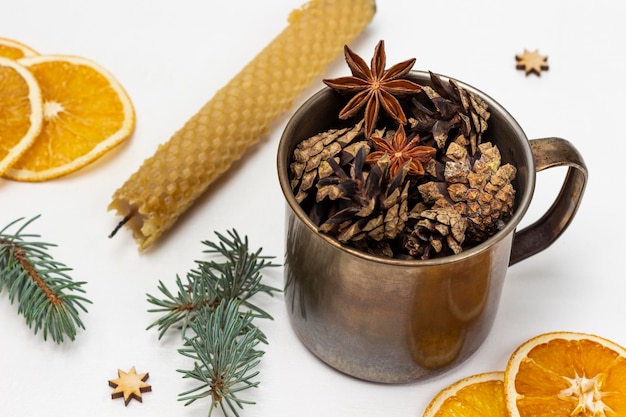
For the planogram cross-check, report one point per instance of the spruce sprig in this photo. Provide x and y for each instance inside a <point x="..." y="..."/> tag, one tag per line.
<point x="46" y="295"/>
<point x="181" y="308"/>
<point x="214" y="308"/>
<point x="224" y="354"/>
<point x="239" y="276"/>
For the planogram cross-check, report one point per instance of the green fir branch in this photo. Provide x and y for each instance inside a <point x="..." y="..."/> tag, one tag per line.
<point x="214" y="308"/>
<point x="239" y="277"/>
<point x="46" y="295"/>
<point x="224" y="354"/>
<point x="181" y="308"/>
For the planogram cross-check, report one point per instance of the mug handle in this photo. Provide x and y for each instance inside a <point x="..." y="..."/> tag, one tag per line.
<point x="549" y="153"/>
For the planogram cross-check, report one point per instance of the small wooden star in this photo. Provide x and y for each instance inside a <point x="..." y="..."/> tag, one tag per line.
<point x="532" y="62"/>
<point x="129" y="385"/>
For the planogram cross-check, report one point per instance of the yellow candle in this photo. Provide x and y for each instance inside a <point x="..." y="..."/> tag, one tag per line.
<point x="182" y="168"/>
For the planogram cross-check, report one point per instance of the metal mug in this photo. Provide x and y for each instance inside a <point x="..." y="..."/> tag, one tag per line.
<point x="395" y="321"/>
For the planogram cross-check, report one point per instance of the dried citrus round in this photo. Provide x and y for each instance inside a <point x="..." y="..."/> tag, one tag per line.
<point x="86" y="113"/>
<point x="14" y="49"/>
<point x="566" y="374"/>
<point x="21" y="111"/>
<point x="479" y="395"/>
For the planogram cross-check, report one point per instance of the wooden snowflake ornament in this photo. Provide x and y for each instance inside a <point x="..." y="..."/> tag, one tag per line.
<point x="532" y="62"/>
<point x="129" y="385"/>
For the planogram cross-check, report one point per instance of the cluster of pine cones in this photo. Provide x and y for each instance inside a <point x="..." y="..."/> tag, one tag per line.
<point x="464" y="195"/>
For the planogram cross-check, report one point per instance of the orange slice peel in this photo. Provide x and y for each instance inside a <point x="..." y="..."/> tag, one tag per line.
<point x="557" y="374"/>
<point x="13" y="49"/>
<point x="479" y="395"/>
<point x="86" y="112"/>
<point x="21" y="111"/>
<point x="566" y="374"/>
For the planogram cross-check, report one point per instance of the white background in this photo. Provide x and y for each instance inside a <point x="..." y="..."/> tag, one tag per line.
<point x="171" y="57"/>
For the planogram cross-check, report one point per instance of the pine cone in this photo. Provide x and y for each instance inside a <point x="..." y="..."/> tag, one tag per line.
<point x="368" y="204"/>
<point x="451" y="114"/>
<point x="480" y="191"/>
<point x="309" y="156"/>
<point x="438" y="231"/>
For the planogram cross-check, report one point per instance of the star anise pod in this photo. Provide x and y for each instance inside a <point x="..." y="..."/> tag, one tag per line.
<point x="400" y="150"/>
<point x="374" y="87"/>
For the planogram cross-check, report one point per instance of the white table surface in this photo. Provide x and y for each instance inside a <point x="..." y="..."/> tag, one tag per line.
<point x="171" y="59"/>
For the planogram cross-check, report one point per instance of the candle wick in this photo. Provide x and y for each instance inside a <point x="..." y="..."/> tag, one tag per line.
<point x="120" y="224"/>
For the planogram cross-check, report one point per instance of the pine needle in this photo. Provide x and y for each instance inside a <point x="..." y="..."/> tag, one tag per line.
<point x="46" y="295"/>
<point x="214" y="309"/>
<point x="224" y="354"/>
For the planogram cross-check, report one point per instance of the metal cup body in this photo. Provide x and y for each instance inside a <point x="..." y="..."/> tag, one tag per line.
<point x="390" y="320"/>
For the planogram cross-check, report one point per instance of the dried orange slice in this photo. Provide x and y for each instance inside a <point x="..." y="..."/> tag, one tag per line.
<point x="479" y="395"/>
<point x="21" y="111"/>
<point x="566" y="374"/>
<point x="14" y="49"/>
<point x="86" y="113"/>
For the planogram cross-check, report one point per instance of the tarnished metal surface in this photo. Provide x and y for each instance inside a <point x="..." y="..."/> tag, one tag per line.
<point x="394" y="321"/>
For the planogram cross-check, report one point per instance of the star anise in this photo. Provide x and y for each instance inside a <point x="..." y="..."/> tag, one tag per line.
<point x="400" y="150"/>
<point x="374" y="87"/>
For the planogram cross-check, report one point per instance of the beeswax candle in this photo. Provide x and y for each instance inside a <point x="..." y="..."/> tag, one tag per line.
<point x="167" y="183"/>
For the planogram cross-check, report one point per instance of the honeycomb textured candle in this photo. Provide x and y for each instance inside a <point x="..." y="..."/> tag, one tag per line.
<point x="182" y="168"/>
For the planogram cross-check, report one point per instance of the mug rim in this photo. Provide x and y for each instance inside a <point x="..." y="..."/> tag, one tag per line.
<point x="283" y="157"/>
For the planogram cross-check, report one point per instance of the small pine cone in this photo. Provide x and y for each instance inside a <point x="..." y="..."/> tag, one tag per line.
<point x="368" y="205"/>
<point x="438" y="231"/>
<point x="490" y="196"/>
<point x="485" y="197"/>
<point x="452" y="114"/>
<point x="458" y="165"/>
<point x="310" y="155"/>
